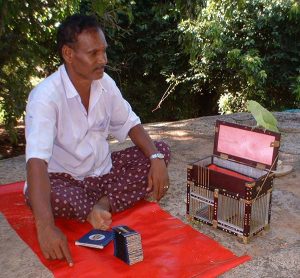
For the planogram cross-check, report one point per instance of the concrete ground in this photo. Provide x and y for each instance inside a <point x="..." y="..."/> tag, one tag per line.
<point x="275" y="253"/>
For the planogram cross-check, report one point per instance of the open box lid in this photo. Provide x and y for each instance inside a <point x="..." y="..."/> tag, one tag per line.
<point x="252" y="146"/>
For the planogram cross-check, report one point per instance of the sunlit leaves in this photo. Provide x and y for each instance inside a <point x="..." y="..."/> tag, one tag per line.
<point x="27" y="50"/>
<point x="247" y="48"/>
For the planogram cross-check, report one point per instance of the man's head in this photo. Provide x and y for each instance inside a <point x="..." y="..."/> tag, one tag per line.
<point x="82" y="46"/>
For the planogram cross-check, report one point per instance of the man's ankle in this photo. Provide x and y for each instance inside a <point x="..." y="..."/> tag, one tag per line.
<point x="103" y="202"/>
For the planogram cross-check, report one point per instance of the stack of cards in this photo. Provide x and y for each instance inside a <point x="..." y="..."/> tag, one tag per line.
<point x="128" y="245"/>
<point x="95" y="239"/>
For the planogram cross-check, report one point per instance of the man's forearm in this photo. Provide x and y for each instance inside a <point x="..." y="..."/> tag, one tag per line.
<point x="140" y="138"/>
<point x="158" y="179"/>
<point x="39" y="192"/>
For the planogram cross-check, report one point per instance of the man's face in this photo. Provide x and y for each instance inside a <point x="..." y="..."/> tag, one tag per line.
<point x="88" y="55"/>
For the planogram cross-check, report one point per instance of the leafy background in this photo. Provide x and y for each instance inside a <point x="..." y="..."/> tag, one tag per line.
<point x="199" y="57"/>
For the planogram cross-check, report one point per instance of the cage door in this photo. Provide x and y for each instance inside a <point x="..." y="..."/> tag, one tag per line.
<point x="231" y="214"/>
<point x="201" y="204"/>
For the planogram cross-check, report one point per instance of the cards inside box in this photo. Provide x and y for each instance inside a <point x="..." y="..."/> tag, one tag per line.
<point x="229" y="172"/>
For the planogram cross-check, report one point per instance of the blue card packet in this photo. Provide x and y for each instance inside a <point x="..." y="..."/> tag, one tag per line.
<point x="95" y="239"/>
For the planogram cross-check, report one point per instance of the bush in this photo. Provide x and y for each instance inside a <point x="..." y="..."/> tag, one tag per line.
<point x="247" y="50"/>
<point x="27" y="49"/>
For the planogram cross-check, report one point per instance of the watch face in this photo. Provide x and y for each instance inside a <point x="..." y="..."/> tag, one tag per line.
<point x="160" y="155"/>
<point x="157" y="155"/>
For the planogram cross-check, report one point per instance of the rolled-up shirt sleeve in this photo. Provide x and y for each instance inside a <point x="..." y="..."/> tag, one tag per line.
<point x="40" y="129"/>
<point x="122" y="117"/>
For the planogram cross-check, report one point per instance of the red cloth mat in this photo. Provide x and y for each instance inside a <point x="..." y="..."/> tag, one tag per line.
<point x="171" y="248"/>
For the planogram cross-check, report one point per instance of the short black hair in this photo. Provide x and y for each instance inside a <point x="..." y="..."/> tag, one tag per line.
<point x="72" y="26"/>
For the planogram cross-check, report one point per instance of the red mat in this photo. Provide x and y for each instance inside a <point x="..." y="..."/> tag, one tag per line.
<point x="171" y="248"/>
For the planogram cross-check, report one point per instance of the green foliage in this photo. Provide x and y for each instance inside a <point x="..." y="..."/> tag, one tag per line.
<point x="242" y="50"/>
<point x="27" y="34"/>
<point x="109" y="12"/>
<point x="199" y="57"/>
<point x="1" y="115"/>
<point x="142" y="59"/>
<point x="231" y="103"/>
<point x="296" y="89"/>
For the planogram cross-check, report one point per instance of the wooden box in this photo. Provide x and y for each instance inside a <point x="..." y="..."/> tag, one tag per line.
<point x="232" y="189"/>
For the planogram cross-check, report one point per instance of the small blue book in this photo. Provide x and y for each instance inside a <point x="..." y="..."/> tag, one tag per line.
<point x="95" y="239"/>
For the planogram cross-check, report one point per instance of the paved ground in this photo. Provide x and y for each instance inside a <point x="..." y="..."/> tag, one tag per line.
<point x="275" y="253"/>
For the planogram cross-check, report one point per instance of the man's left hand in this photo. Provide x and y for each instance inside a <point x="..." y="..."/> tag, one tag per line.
<point x="158" y="178"/>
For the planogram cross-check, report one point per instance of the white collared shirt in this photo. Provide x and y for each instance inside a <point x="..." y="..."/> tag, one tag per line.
<point x="60" y="131"/>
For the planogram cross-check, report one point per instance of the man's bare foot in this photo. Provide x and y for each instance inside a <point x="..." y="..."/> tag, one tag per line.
<point x="100" y="217"/>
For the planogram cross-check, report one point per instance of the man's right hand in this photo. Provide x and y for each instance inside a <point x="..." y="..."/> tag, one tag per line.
<point x="54" y="243"/>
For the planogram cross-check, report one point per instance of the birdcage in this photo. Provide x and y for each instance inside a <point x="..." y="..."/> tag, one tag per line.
<point x="232" y="189"/>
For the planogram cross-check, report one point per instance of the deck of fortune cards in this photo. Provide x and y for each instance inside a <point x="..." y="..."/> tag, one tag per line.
<point x="127" y="245"/>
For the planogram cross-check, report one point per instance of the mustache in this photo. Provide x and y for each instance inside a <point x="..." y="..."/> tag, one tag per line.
<point x="100" y="67"/>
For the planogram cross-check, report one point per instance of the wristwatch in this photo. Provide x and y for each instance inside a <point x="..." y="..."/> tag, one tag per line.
<point x="157" y="155"/>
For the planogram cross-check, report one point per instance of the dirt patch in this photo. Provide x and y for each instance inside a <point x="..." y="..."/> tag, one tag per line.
<point x="275" y="253"/>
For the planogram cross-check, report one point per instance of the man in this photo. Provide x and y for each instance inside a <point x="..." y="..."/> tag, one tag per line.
<point x="69" y="116"/>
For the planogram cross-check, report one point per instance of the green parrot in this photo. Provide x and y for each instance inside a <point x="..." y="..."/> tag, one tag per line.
<point x="263" y="117"/>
